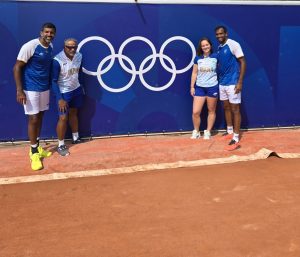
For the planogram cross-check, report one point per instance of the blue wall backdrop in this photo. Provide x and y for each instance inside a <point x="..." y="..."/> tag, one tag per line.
<point x="138" y="63"/>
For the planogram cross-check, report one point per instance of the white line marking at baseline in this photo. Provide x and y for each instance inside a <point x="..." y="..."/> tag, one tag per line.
<point x="261" y="154"/>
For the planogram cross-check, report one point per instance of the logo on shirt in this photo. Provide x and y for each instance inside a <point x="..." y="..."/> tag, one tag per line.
<point x="207" y="69"/>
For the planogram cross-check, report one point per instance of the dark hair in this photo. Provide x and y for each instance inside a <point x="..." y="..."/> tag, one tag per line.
<point x="199" y="49"/>
<point x="221" y="27"/>
<point x="48" y="25"/>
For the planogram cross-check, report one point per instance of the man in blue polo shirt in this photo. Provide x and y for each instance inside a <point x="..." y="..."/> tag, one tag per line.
<point x="231" y="71"/>
<point x="32" y="77"/>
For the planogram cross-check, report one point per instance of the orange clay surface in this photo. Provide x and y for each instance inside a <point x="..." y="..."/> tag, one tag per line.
<point x="131" y="151"/>
<point x="243" y="209"/>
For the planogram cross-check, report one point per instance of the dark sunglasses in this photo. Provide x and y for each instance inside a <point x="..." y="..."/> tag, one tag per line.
<point x="71" y="47"/>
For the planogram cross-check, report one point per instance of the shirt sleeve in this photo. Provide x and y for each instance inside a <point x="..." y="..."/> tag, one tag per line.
<point x="81" y="75"/>
<point x="196" y="60"/>
<point x="26" y="52"/>
<point x="236" y="49"/>
<point x="54" y="78"/>
<point x="214" y="55"/>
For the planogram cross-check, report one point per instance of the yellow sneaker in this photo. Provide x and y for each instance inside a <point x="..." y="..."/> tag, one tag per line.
<point x="36" y="163"/>
<point x="43" y="153"/>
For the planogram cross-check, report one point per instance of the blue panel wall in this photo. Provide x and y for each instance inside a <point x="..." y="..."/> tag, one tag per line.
<point x="149" y="89"/>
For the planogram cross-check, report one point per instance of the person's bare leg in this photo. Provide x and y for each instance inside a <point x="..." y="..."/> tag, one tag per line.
<point x="236" y="118"/>
<point x="61" y="127"/>
<point x="227" y="112"/>
<point x="33" y="123"/>
<point x="197" y="108"/>
<point x="73" y="119"/>
<point x="211" y="106"/>
<point x="39" y="123"/>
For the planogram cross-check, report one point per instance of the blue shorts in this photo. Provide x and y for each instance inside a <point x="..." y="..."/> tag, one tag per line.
<point x="207" y="91"/>
<point x="73" y="98"/>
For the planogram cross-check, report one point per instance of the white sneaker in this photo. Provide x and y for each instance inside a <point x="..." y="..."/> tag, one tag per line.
<point x="195" y="134"/>
<point x="207" y="135"/>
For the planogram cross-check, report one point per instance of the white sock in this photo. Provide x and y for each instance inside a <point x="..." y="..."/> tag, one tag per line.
<point x="236" y="137"/>
<point x="75" y="136"/>
<point x="61" y="142"/>
<point x="34" y="148"/>
<point x="230" y="129"/>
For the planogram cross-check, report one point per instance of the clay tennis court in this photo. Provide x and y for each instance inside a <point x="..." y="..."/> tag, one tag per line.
<point x="161" y="195"/>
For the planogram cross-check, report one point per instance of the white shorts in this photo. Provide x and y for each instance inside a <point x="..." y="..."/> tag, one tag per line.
<point x="36" y="102"/>
<point x="228" y="93"/>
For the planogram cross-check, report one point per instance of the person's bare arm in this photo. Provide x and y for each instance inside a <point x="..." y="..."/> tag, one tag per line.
<point x="239" y="85"/>
<point x="18" y="70"/>
<point x="193" y="79"/>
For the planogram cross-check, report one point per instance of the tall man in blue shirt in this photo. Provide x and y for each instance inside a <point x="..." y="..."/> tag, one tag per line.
<point x="32" y="77"/>
<point x="231" y="71"/>
<point x="67" y="85"/>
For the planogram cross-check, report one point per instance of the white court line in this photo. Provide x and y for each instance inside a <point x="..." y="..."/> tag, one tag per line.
<point x="261" y="154"/>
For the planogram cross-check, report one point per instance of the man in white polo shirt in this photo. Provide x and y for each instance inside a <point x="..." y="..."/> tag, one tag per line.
<point x="67" y="85"/>
<point x="231" y="71"/>
<point x="32" y="77"/>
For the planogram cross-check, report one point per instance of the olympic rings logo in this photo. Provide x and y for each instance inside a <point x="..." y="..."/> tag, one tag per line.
<point x="142" y="69"/>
